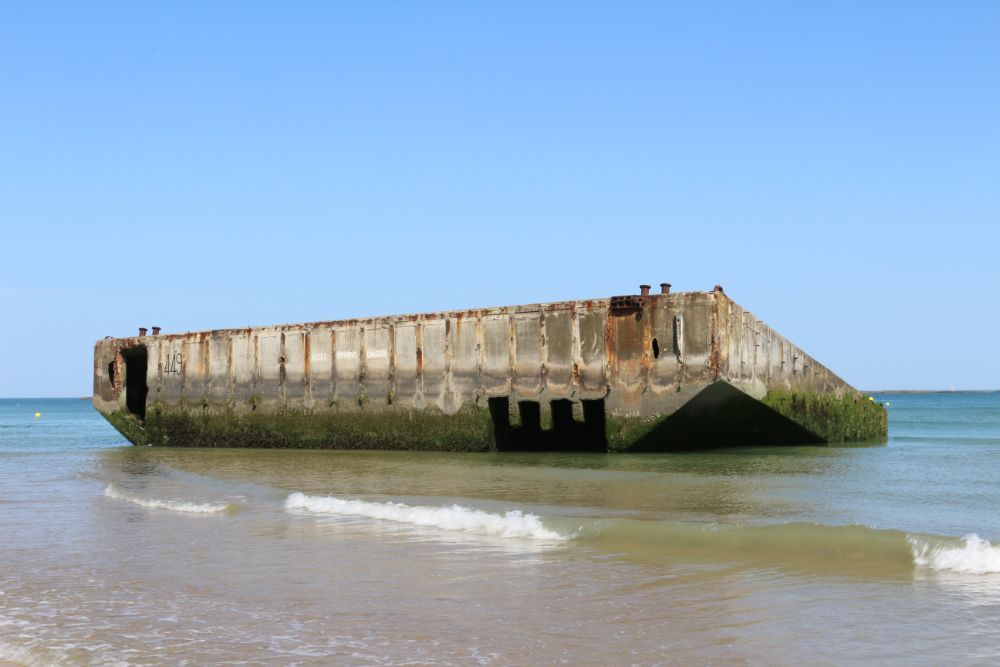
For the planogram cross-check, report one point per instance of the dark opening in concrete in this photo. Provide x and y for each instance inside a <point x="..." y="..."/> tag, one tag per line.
<point x="572" y="435"/>
<point x="656" y="349"/>
<point x="564" y="436"/>
<point x="531" y="416"/>
<point x="567" y="434"/>
<point x="135" y="380"/>
<point x="500" y="413"/>
<point x="111" y="373"/>
<point x="595" y="437"/>
<point x="529" y="435"/>
<point x="562" y="417"/>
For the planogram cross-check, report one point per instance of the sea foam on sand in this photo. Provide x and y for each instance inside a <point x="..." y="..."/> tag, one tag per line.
<point x="170" y="505"/>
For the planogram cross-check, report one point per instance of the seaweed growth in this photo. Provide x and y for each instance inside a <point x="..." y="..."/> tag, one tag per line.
<point x="847" y="418"/>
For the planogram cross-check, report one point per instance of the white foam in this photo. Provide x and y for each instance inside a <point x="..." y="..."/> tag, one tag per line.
<point x="171" y="505"/>
<point x="512" y="524"/>
<point x="974" y="556"/>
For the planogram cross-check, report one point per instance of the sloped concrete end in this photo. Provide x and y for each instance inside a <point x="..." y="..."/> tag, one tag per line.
<point x="722" y="415"/>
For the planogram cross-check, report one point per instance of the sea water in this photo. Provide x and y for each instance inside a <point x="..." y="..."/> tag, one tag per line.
<point x="111" y="554"/>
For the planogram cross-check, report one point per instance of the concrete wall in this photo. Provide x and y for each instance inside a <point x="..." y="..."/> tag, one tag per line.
<point x="643" y="356"/>
<point x="756" y="359"/>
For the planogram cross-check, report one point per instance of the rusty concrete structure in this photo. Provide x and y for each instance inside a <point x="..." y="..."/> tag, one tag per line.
<point x="646" y="372"/>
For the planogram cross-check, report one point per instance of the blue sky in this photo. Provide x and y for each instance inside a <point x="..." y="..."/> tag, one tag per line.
<point x="836" y="166"/>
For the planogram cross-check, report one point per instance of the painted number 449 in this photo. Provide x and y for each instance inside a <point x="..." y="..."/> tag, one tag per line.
<point x="173" y="363"/>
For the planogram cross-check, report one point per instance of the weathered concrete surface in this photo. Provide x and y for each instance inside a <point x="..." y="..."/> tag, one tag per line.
<point x="633" y="373"/>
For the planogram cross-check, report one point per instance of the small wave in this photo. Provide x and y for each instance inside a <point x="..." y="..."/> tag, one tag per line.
<point x="852" y="549"/>
<point x="172" y="505"/>
<point x="512" y="524"/>
<point x="974" y="556"/>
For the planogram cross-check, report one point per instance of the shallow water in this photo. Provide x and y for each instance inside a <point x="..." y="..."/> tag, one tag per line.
<point x="824" y="555"/>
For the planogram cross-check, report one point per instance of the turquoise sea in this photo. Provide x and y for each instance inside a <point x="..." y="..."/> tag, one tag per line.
<point x="858" y="554"/>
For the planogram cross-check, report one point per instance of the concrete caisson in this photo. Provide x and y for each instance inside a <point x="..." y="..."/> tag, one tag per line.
<point x="647" y="372"/>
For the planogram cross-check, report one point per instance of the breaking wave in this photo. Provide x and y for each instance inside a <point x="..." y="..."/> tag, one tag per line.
<point x="813" y="546"/>
<point x="511" y="524"/>
<point x="171" y="505"/>
<point x="974" y="556"/>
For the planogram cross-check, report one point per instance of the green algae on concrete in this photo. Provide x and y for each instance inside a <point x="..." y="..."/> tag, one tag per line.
<point x="129" y="426"/>
<point x="470" y="429"/>
<point x="624" y="433"/>
<point x="829" y="418"/>
<point x="847" y="418"/>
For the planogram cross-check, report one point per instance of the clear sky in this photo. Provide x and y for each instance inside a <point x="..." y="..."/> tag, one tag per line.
<point x="835" y="166"/>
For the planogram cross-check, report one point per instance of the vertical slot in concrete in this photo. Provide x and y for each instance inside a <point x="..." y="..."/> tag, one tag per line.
<point x="595" y="438"/>
<point x="500" y="413"/>
<point x="564" y="429"/>
<point x="529" y="435"/>
<point x="136" y="362"/>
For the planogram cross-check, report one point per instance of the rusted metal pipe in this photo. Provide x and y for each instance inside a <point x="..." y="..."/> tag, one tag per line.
<point x="156" y="331"/>
<point x="664" y="288"/>
<point x="142" y="332"/>
<point x="643" y="290"/>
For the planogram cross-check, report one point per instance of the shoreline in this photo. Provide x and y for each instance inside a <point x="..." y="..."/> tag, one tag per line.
<point x="930" y="391"/>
